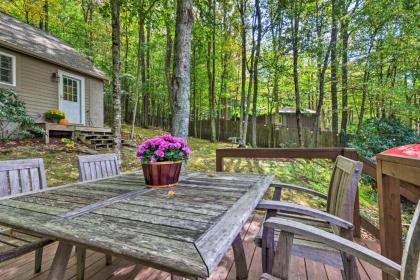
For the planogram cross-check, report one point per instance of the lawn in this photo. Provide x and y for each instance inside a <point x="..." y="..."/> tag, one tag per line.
<point x="61" y="166"/>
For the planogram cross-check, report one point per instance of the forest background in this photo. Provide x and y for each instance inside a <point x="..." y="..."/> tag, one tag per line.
<point x="349" y="60"/>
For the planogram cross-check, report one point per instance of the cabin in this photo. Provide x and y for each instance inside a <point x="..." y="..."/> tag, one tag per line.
<point x="287" y="118"/>
<point x="49" y="74"/>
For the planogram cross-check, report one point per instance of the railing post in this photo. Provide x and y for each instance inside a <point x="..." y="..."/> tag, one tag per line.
<point x="219" y="161"/>
<point x="389" y="216"/>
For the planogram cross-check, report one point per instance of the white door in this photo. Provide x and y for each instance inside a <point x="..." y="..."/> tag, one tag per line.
<point x="71" y="94"/>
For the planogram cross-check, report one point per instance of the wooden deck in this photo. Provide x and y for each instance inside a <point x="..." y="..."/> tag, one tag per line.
<point x="22" y="268"/>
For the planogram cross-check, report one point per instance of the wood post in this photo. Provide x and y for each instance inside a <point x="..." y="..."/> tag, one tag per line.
<point x="81" y="260"/>
<point x="38" y="259"/>
<point x="61" y="258"/>
<point x="389" y="216"/>
<point x="240" y="258"/>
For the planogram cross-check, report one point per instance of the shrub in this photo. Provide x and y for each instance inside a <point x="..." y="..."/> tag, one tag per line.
<point x="14" y="121"/>
<point x="379" y="134"/>
<point x="54" y="115"/>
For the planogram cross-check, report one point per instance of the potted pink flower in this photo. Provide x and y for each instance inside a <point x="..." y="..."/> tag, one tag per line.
<point x="161" y="159"/>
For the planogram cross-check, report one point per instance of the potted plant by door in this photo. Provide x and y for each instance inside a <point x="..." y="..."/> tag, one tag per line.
<point x="54" y="115"/>
<point x="161" y="159"/>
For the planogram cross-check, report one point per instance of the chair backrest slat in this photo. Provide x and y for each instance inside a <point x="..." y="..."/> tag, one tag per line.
<point x="20" y="176"/>
<point x="411" y="256"/>
<point x="92" y="167"/>
<point x="4" y="184"/>
<point x="343" y="188"/>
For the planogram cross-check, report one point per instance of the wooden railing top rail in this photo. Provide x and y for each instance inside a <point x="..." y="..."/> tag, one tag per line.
<point x="277" y="153"/>
<point x="408" y="190"/>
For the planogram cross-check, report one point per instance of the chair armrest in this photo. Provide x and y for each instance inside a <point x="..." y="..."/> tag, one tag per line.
<point x="336" y="242"/>
<point x="299" y="209"/>
<point x="299" y="188"/>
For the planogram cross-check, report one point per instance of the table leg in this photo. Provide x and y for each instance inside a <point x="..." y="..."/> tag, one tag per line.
<point x="240" y="258"/>
<point x="61" y="258"/>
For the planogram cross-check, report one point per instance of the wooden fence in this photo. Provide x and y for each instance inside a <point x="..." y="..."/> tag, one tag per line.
<point x="267" y="136"/>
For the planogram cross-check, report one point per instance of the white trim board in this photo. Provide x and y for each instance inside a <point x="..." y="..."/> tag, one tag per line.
<point x="13" y="69"/>
<point x="82" y="92"/>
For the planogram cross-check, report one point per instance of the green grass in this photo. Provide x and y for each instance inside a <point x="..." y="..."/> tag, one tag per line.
<point x="61" y="167"/>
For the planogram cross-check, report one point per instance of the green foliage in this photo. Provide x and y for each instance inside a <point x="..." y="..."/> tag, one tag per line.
<point x="379" y="134"/>
<point x="54" y="115"/>
<point x="14" y="122"/>
<point x="69" y="143"/>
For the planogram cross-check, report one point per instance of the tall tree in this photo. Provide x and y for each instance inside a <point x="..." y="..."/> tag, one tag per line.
<point x="256" y="60"/>
<point x="242" y="8"/>
<point x="181" y="72"/>
<point x="334" y="66"/>
<point x="295" y="46"/>
<point x="211" y="67"/>
<point x="116" y="84"/>
<point x="322" y="65"/>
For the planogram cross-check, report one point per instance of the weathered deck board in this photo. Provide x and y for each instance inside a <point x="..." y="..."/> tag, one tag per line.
<point x="22" y="268"/>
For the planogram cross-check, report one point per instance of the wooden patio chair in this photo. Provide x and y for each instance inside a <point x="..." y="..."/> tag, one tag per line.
<point x="21" y="176"/>
<point x="338" y="219"/>
<point x="92" y="167"/>
<point x="408" y="270"/>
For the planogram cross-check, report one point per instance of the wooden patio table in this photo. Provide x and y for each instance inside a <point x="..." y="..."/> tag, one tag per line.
<point x="186" y="234"/>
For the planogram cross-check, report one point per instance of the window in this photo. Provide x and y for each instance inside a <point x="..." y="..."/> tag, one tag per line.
<point x="7" y="69"/>
<point x="70" y="89"/>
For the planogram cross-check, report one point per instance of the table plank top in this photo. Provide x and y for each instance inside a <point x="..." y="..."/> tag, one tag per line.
<point x="187" y="233"/>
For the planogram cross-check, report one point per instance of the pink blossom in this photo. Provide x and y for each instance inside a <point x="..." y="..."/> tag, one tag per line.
<point x="153" y="159"/>
<point x="159" y="153"/>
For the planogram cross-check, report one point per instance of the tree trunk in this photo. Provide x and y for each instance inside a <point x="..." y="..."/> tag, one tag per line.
<point x="257" y="57"/>
<point x="344" y="71"/>
<point x="125" y="81"/>
<point x="181" y="71"/>
<point x="194" y="91"/>
<point x="168" y="59"/>
<point x="241" y="8"/>
<point x="295" y="33"/>
<point x="145" y="96"/>
<point x="116" y="85"/>
<point x="139" y="77"/>
<point x="248" y="97"/>
<point x="46" y="17"/>
<point x="334" y="103"/>
<point x="322" y="65"/>
<point x="211" y="78"/>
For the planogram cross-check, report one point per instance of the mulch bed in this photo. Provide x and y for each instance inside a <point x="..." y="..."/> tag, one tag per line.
<point x="30" y="142"/>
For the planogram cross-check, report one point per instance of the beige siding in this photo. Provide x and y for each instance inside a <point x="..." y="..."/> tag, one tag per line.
<point x="40" y="93"/>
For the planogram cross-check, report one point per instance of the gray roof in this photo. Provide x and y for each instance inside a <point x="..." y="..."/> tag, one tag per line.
<point x="24" y="38"/>
<point x="291" y="110"/>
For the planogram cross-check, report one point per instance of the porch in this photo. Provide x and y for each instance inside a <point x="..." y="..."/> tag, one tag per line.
<point x="96" y="138"/>
<point x="22" y="268"/>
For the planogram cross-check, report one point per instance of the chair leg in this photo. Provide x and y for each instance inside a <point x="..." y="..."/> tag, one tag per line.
<point x="81" y="259"/>
<point x="267" y="250"/>
<point x="350" y="270"/>
<point x="38" y="259"/>
<point x="108" y="259"/>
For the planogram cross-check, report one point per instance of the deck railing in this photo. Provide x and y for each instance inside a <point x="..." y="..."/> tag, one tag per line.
<point x="407" y="188"/>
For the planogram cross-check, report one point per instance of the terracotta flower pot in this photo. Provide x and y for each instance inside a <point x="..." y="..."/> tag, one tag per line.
<point x="161" y="174"/>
